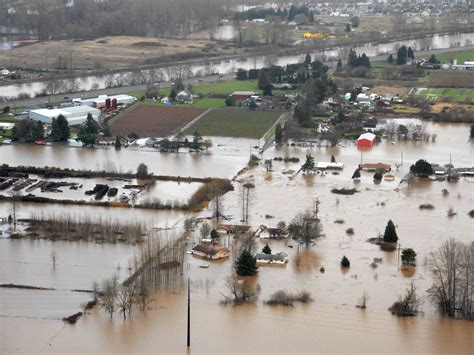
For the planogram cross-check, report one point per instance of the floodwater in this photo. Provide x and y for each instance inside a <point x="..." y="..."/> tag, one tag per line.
<point x="331" y="323"/>
<point x="223" y="161"/>
<point x="87" y="83"/>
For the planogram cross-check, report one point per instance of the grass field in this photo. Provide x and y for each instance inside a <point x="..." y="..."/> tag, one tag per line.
<point x="448" y="94"/>
<point x="226" y="87"/>
<point x="460" y="56"/>
<point x="239" y="123"/>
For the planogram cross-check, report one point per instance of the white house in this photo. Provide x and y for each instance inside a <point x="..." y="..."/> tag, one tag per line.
<point x="280" y="258"/>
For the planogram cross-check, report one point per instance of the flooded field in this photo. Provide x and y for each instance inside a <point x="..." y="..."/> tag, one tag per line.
<point x="331" y="323"/>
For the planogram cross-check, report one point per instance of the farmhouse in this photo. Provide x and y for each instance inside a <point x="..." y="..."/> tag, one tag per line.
<point x="75" y="115"/>
<point x="366" y="140"/>
<point x="232" y="228"/>
<point x="242" y="95"/>
<point x="280" y="258"/>
<point x="375" y="167"/>
<point x="211" y="253"/>
<point x="265" y="232"/>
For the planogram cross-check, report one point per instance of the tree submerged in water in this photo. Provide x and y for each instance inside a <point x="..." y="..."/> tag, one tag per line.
<point x="309" y="165"/>
<point x="246" y="264"/>
<point x="390" y="235"/>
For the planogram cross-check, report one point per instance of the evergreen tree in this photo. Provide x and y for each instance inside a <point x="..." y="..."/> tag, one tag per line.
<point x="410" y="53"/>
<point x="378" y="176"/>
<point x="308" y="164"/>
<point x="242" y="74"/>
<point x="339" y="65"/>
<point x="142" y="171"/>
<point x="356" y="174"/>
<point x="471" y="134"/>
<point x="246" y="264"/>
<point x="311" y="17"/>
<point x="433" y="59"/>
<point x="402" y="55"/>
<point x="267" y="90"/>
<point x="408" y="256"/>
<point x="364" y="61"/>
<point x="60" y="129"/>
<point x="118" y="144"/>
<point x="266" y="249"/>
<point x="345" y="262"/>
<point x="390" y="59"/>
<point x="28" y="131"/>
<point x="352" y="59"/>
<point x="88" y="131"/>
<point x="278" y="134"/>
<point x="307" y="59"/>
<point x="173" y="94"/>
<point x="333" y="159"/>
<point x="390" y="235"/>
<point x="214" y="234"/>
<point x="348" y="27"/>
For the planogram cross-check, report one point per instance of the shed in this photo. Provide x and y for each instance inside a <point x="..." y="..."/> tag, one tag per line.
<point x="242" y="95"/>
<point x="366" y="140"/>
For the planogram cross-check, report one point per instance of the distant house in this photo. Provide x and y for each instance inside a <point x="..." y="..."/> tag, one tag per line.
<point x="242" y="95"/>
<point x="366" y="140"/>
<point x="280" y="258"/>
<point x="265" y="232"/>
<point x="232" y="228"/>
<point x="375" y="167"/>
<point x="183" y="97"/>
<point x="211" y="253"/>
<point x="329" y="166"/>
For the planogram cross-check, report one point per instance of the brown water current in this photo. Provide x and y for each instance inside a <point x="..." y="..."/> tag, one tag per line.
<point x="330" y="324"/>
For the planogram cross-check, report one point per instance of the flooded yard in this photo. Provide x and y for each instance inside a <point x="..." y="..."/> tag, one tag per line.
<point x="331" y="323"/>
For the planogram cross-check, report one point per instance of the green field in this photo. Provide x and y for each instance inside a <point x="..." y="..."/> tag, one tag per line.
<point x="461" y="56"/>
<point x="448" y="95"/>
<point x="226" y="87"/>
<point x="239" y="123"/>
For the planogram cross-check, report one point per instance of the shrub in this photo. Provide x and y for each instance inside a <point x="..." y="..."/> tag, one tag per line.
<point x="378" y="176"/>
<point x="408" y="256"/>
<point x="266" y="249"/>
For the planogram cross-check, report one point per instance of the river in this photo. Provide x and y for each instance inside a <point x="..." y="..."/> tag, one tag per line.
<point x="87" y="83"/>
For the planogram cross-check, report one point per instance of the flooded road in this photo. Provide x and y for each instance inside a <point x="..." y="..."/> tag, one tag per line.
<point x="331" y="323"/>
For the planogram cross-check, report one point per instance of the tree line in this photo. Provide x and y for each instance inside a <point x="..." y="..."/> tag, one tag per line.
<point x="90" y="18"/>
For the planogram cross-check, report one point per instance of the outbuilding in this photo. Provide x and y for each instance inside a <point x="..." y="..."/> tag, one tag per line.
<point x="366" y="140"/>
<point x="242" y="95"/>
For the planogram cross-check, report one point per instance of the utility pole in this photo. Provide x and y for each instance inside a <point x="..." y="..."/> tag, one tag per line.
<point x="401" y="159"/>
<point x="189" y="313"/>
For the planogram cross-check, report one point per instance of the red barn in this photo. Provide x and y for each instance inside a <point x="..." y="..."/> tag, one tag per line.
<point x="242" y="95"/>
<point x="366" y="140"/>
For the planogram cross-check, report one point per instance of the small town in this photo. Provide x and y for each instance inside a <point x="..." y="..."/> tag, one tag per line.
<point x="292" y="177"/>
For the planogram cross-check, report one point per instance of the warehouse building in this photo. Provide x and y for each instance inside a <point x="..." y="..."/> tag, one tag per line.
<point x="75" y="115"/>
<point x="100" y="102"/>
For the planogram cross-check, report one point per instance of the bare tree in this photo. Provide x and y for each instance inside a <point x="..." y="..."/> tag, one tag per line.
<point x="452" y="291"/>
<point x="205" y="230"/>
<point x="408" y="304"/>
<point x="306" y="226"/>
<point x="109" y="293"/>
<point x="240" y="291"/>
<point x="363" y="301"/>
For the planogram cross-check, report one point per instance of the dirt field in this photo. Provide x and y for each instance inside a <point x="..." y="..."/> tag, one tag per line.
<point x="153" y="120"/>
<point x="110" y="52"/>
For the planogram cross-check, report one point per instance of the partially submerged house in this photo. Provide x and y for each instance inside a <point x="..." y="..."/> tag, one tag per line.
<point x="375" y="167"/>
<point x="209" y="252"/>
<point x="265" y="232"/>
<point x="232" y="228"/>
<point x="329" y="166"/>
<point x="280" y="258"/>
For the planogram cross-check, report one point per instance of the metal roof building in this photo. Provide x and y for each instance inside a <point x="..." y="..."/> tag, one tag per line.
<point x="75" y="115"/>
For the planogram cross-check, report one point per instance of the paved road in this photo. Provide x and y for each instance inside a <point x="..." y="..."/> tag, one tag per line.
<point x="34" y="102"/>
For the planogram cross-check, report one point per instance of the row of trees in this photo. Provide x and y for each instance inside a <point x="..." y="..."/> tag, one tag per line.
<point x="91" y="18"/>
<point x="403" y="54"/>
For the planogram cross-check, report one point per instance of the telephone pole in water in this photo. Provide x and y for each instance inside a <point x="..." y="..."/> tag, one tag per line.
<point x="189" y="313"/>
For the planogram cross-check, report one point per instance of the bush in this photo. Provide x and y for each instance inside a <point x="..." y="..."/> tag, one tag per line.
<point x="345" y="262"/>
<point x="408" y="256"/>
<point x="378" y="176"/>
<point x="266" y="249"/>
<point x="421" y="168"/>
<point x="230" y="101"/>
<point x="284" y="298"/>
<point x="426" y="206"/>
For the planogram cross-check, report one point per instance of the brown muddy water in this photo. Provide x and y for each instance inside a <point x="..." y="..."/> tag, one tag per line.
<point x="330" y="324"/>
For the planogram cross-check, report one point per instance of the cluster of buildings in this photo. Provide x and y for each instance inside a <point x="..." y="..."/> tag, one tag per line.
<point x="77" y="113"/>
